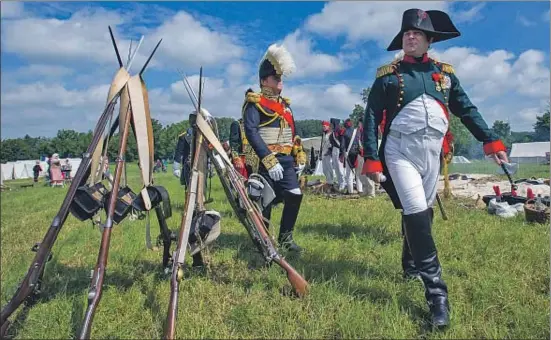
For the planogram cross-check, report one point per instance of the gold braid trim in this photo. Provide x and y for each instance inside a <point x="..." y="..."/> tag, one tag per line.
<point x="385" y="70"/>
<point x="270" y="161"/>
<point x="273" y="115"/>
<point x="447" y="68"/>
<point x="253" y="97"/>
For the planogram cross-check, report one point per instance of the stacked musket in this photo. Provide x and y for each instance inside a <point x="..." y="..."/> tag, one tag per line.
<point x="134" y="112"/>
<point x="206" y="143"/>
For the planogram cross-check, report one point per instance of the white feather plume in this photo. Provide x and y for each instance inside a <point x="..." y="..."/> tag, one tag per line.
<point x="282" y="60"/>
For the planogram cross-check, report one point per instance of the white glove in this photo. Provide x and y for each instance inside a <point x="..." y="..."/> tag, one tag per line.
<point x="276" y="172"/>
<point x="300" y="169"/>
<point x="176" y="169"/>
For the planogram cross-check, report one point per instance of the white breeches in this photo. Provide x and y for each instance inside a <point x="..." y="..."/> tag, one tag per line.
<point x="413" y="162"/>
<point x="350" y="176"/>
<point x="327" y="164"/>
<point x="366" y="183"/>
<point x="338" y="167"/>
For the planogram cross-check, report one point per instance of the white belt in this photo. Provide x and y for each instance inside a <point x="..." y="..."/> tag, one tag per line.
<point x="424" y="131"/>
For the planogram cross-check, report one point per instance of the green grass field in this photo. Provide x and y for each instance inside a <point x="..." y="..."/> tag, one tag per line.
<point x="497" y="272"/>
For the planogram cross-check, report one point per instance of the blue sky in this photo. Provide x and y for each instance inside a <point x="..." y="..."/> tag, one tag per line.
<point x="57" y="59"/>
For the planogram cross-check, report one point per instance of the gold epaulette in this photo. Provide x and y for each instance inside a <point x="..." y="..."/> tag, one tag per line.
<point x="286" y="100"/>
<point x="447" y="68"/>
<point x="385" y="70"/>
<point x="253" y="97"/>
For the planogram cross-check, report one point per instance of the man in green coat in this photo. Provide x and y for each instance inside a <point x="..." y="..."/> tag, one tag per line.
<point x="412" y="98"/>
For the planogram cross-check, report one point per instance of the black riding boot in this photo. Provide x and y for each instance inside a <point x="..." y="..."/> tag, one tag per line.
<point x="418" y="233"/>
<point x="198" y="260"/>
<point x="267" y="214"/>
<point x="410" y="272"/>
<point x="288" y="219"/>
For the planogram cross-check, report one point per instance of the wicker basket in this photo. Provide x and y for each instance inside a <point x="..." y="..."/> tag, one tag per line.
<point x="533" y="215"/>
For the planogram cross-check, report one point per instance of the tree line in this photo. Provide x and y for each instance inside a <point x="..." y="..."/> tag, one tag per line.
<point x="72" y="144"/>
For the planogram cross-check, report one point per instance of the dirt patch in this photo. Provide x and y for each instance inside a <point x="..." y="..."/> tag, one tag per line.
<point x="478" y="184"/>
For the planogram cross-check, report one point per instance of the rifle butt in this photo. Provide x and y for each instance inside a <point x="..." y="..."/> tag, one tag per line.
<point x="31" y="278"/>
<point x="441" y="207"/>
<point x="300" y="285"/>
<point x="172" y="305"/>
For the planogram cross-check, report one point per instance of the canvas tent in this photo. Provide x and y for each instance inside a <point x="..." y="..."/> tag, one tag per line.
<point x="7" y="171"/>
<point x="534" y="152"/>
<point x="319" y="169"/>
<point x="460" y="160"/>
<point x="24" y="169"/>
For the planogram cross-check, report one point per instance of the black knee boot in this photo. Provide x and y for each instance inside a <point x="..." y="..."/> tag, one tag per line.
<point x="423" y="250"/>
<point x="408" y="264"/>
<point x="288" y="219"/>
<point x="267" y="214"/>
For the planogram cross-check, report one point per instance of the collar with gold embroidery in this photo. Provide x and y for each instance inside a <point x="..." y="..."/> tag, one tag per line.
<point x="269" y="93"/>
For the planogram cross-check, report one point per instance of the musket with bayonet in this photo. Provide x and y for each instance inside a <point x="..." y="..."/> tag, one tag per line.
<point x="29" y="289"/>
<point x="248" y="212"/>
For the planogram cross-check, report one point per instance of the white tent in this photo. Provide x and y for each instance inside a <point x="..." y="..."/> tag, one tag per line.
<point x="7" y="171"/>
<point x="460" y="159"/>
<point x="75" y="163"/>
<point x="319" y="169"/>
<point x="535" y="152"/>
<point x="20" y="170"/>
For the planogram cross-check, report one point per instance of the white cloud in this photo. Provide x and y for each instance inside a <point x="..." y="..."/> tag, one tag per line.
<point x="47" y="107"/>
<point x="309" y="62"/>
<point x="493" y="74"/>
<point x="501" y="84"/>
<point x="84" y="38"/>
<point x="322" y="101"/>
<point x="521" y="19"/>
<point x="470" y="15"/>
<point x="41" y="109"/>
<point x="358" y="21"/>
<point x="43" y="70"/>
<point x="190" y="44"/>
<point x="11" y="9"/>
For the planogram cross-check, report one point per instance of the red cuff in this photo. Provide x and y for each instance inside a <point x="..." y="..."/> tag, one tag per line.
<point x="493" y="147"/>
<point x="371" y="166"/>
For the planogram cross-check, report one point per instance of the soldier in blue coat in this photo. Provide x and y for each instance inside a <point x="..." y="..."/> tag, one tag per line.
<point x="270" y="130"/>
<point x="181" y="166"/>
<point x="415" y="94"/>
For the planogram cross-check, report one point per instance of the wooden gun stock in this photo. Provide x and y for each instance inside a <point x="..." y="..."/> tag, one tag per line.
<point x="300" y="285"/>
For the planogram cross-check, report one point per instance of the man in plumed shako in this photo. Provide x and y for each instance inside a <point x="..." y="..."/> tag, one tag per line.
<point x="270" y="130"/>
<point x="417" y="94"/>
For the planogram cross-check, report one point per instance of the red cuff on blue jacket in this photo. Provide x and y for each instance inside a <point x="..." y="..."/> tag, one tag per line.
<point x="493" y="147"/>
<point x="371" y="166"/>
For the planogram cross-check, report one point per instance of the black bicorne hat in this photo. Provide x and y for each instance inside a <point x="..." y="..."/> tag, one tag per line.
<point x="436" y="24"/>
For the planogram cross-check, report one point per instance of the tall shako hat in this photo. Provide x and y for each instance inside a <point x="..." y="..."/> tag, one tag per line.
<point x="276" y="61"/>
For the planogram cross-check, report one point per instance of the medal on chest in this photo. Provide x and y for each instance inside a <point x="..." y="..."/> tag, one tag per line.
<point x="442" y="81"/>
